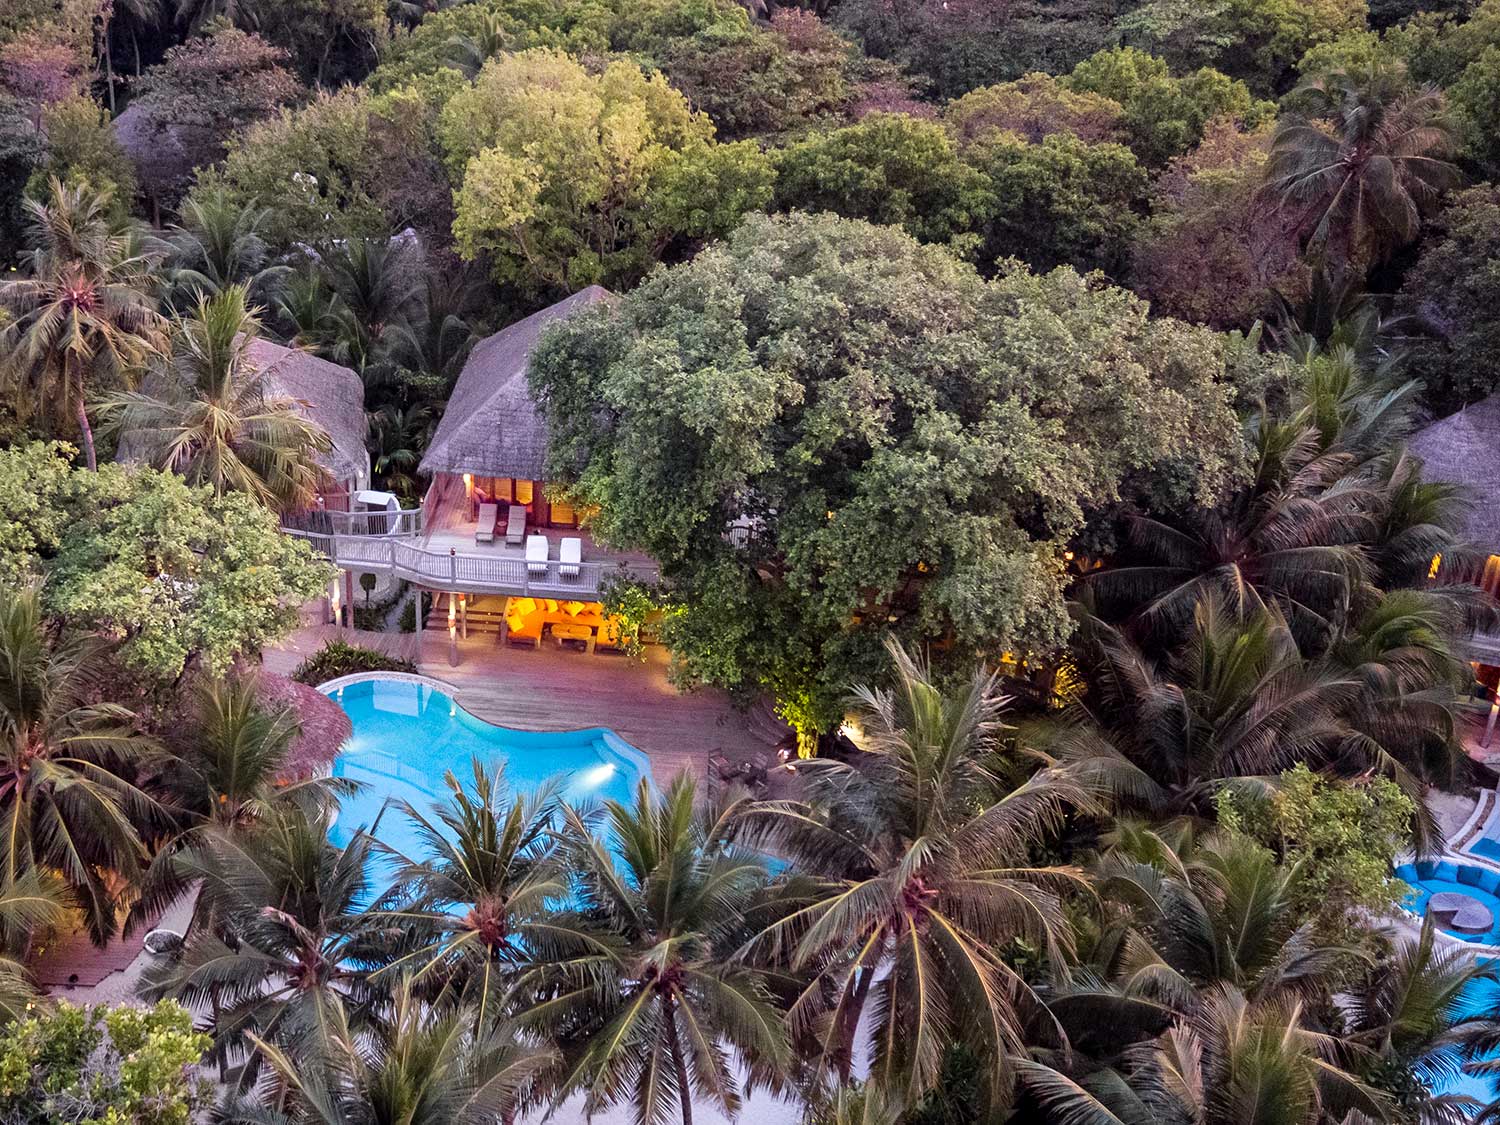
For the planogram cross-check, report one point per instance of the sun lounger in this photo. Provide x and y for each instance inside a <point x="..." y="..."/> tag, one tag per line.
<point x="515" y="524"/>
<point x="485" y="532"/>
<point x="536" y="555"/>
<point x="569" y="555"/>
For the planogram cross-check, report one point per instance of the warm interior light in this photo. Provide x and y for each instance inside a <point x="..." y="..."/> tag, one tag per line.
<point x="468" y="484"/>
<point x="1437" y="561"/>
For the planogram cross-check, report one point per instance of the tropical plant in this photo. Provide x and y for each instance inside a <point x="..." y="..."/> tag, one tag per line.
<point x="397" y="438"/>
<point x="433" y="1069"/>
<point x="82" y="311"/>
<point x="474" y="905"/>
<point x="213" y="418"/>
<point x="1364" y="164"/>
<point x="339" y="658"/>
<point x="286" y="955"/>
<point x="644" y="992"/>
<point x="378" y="287"/>
<point x="922" y="856"/>
<point x="226" y="773"/>
<point x="68" y="796"/>
<point x="214" y="244"/>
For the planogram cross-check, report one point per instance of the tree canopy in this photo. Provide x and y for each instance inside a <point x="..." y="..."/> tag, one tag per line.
<point x="821" y="428"/>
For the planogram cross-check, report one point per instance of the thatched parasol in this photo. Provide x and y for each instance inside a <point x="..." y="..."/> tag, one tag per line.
<point x="325" y="726"/>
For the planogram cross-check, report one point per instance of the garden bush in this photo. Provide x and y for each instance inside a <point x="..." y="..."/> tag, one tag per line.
<point x="339" y="658"/>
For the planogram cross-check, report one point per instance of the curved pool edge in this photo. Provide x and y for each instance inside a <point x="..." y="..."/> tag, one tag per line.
<point x="1408" y="870"/>
<point x="611" y="741"/>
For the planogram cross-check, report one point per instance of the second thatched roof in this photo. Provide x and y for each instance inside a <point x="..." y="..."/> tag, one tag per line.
<point x="1464" y="449"/>
<point x="491" y="426"/>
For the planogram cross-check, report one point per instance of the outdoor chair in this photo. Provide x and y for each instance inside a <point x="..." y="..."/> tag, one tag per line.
<point x="569" y="556"/>
<point x="488" y="515"/>
<point x="515" y="524"/>
<point x="536" y="555"/>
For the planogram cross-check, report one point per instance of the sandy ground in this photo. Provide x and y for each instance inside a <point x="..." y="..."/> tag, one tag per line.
<point x="1451" y="809"/>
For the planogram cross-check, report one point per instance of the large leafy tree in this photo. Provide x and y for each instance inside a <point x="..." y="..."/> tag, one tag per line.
<point x="211" y="418"/>
<point x="920" y="859"/>
<point x="653" y="1008"/>
<point x="823" y="431"/>
<point x="68" y="793"/>
<point x="82" y="314"/>
<point x="174" y="572"/>
<point x="558" y="166"/>
<point x="1364" y="164"/>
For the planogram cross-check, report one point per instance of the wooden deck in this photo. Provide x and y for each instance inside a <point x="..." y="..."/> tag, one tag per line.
<point x="548" y="689"/>
<point x="552" y="689"/>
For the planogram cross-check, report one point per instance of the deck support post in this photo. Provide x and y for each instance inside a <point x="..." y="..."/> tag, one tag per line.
<point x="463" y="616"/>
<point x="452" y="629"/>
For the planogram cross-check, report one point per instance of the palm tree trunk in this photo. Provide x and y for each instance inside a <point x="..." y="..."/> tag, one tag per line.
<point x="684" y="1090"/>
<point x="88" y="436"/>
<point x="851" y="1023"/>
<point x="109" y="69"/>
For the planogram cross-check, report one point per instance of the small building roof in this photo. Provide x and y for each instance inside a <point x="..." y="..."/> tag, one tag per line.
<point x="330" y="395"/>
<point x="491" y="426"/>
<point x="1464" y="449"/>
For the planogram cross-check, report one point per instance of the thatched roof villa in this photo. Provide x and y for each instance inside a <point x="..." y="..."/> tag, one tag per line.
<point x="1464" y="449"/>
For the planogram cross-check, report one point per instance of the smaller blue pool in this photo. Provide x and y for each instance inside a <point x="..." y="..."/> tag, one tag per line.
<point x="408" y="734"/>
<point x="1479" y="884"/>
<point x="1486" y="847"/>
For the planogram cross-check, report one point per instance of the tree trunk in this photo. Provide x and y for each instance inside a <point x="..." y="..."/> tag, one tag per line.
<point x="109" y="70"/>
<point x="88" y="435"/>
<point x="684" y="1088"/>
<point x="851" y="1023"/>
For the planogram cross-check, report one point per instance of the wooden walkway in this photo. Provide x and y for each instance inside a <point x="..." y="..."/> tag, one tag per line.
<point x="548" y="689"/>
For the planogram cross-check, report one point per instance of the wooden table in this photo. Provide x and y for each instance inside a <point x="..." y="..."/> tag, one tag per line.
<point x="1460" y="912"/>
<point x="584" y="633"/>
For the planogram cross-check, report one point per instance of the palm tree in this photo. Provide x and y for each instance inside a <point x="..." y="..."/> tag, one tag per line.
<point x="432" y="1069"/>
<point x="68" y="798"/>
<point x="212" y="417"/>
<point x="1365" y="163"/>
<point x="225" y="774"/>
<point x="924" y="878"/>
<point x="469" y="53"/>
<point x="397" y="438"/>
<point x="379" y="289"/>
<point x="653" y="1007"/>
<point x="35" y="903"/>
<point x="1232" y="1062"/>
<point x="474" y="907"/>
<point x="82" y="310"/>
<point x="287" y="957"/>
<point x="217" y="243"/>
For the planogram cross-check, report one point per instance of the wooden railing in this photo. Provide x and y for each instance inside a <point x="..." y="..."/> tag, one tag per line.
<point x="470" y="573"/>
<point x="406" y="523"/>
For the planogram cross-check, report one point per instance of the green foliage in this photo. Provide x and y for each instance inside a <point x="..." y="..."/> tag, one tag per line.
<point x="114" y="1066"/>
<point x="558" y="166"/>
<point x="1164" y="115"/>
<point x="1343" y="837"/>
<point x="1060" y="202"/>
<point x="1456" y="286"/>
<point x="1475" y="99"/>
<point x="720" y="391"/>
<point x="890" y="169"/>
<point x="1259" y="41"/>
<point x="339" y="658"/>
<point x="1033" y="107"/>
<point x="174" y="572"/>
<point x="82" y="149"/>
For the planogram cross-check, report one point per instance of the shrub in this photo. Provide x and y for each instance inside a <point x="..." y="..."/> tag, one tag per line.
<point x="339" y="658"/>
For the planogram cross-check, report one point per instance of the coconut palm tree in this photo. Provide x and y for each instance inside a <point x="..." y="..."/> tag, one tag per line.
<point x="36" y="902"/>
<point x="432" y="1069"/>
<point x="653" y="1008"/>
<point x="212" y="418"/>
<point x="397" y="438"/>
<point x="1232" y="1062"/>
<point x="216" y="243"/>
<point x="921" y="855"/>
<point x="68" y="798"/>
<point x="225" y="774"/>
<point x="1364" y="163"/>
<point x="379" y="288"/>
<point x="82" y="310"/>
<point x="288" y="954"/>
<point x="475" y="904"/>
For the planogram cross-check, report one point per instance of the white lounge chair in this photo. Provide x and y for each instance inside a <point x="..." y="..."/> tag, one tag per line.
<point x="515" y="524"/>
<point x="488" y="515"/>
<point x="569" y="555"/>
<point x="536" y="555"/>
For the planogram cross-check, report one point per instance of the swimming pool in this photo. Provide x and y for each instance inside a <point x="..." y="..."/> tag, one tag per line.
<point x="408" y="733"/>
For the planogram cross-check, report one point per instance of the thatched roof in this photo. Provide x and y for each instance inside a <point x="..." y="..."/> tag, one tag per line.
<point x="491" y="426"/>
<point x="1464" y="449"/>
<point x="325" y="726"/>
<point x="330" y="395"/>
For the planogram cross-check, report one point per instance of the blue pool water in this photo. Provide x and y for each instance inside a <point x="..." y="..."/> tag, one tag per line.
<point x="1486" y="847"/>
<point x="1427" y="879"/>
<point x="407" y="735"/>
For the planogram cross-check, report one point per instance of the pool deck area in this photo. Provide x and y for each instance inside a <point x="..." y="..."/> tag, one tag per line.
<point x="551" y="690"/>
